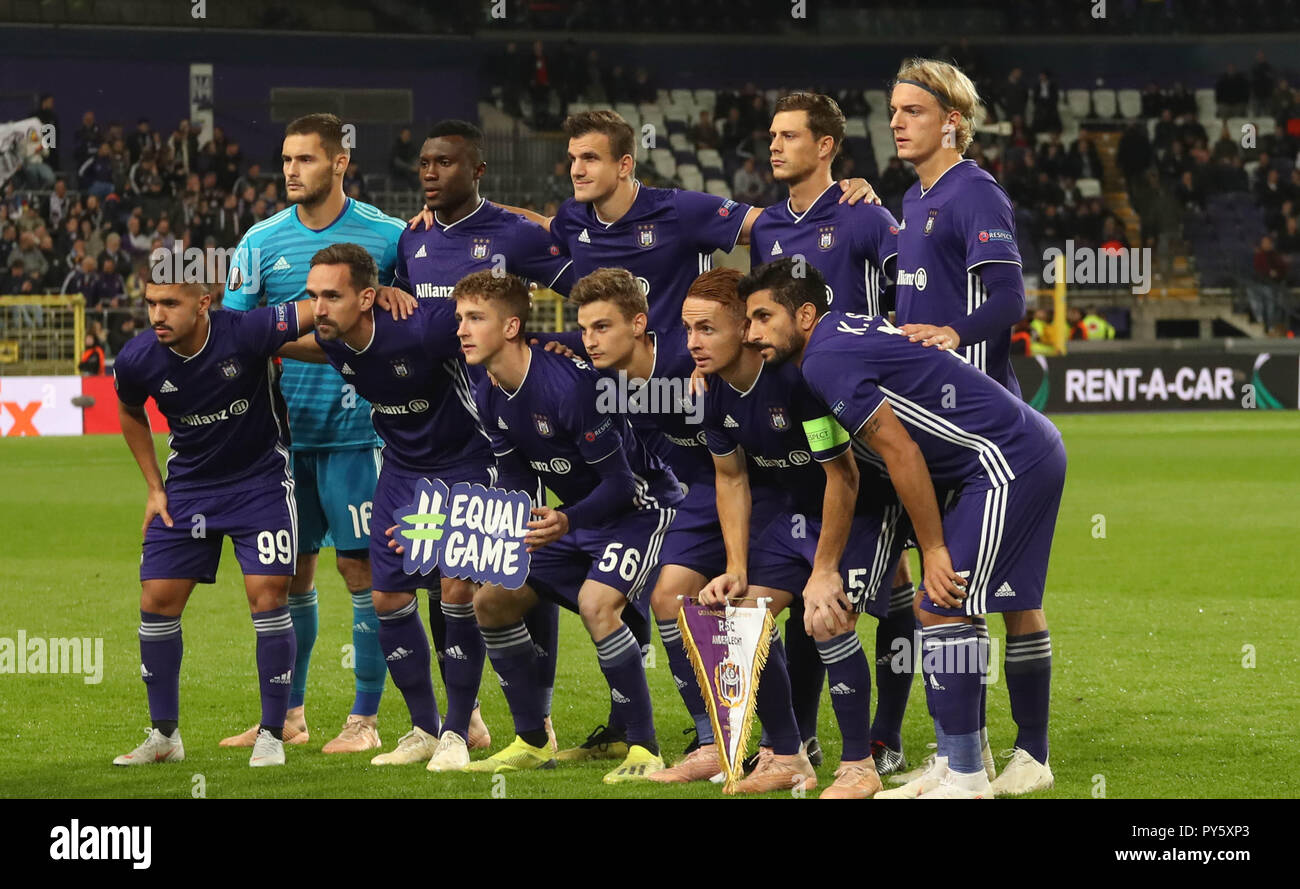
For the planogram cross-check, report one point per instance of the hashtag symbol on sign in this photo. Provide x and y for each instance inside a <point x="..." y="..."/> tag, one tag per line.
<point x="424" y="525"/>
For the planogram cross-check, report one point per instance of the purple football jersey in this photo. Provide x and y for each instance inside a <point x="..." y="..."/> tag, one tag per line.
<point x="949" y="230"/>
<point x="772" y="421"/>
<point x="973" y="432"/>
<point x="666" y="240"/>
<point x="228" y="423"/>
<point x="555" y="423"/>
<point x="849" y="245"/>
<point x="429" y="263"/>
<point x="414" y="376"/>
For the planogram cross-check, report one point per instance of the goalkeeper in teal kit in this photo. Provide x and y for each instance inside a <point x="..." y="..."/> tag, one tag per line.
<point x="335" y="450"/>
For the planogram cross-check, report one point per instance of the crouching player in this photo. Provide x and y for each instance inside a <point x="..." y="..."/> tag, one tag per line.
<point x="651" y="372"/>
<point x="228" y="474"/>
<point x="413" y="375"/>
<point x="841" y="530"/>
<point x="936" y="420"/>
<point x="594" y="555"/>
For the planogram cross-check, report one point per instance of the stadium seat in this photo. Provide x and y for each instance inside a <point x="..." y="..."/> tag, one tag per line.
<point x="1104" y="103"/>
<point x="1089" y="188"/>
<point x="718" y="187"/>
<point x="664" y="163"/>
<point x="648" y="108"/>
<point x="685" y="156"/>
<point x="706" y="100"/>
<point x="578" y="108"/>
<point x="682" y="97"/>
<point x="770" y="96"/>
<point x="690" y="177"/>
<point x="710" y="159"/>
<point x="664" y="98"/>
<point x="656" y="119"/>
<point x="629" y="113"/>
<point x="1079" y="103"/>
<point x="882" y="143"/>
<point x="678" y="142"/>
<point x="879" y="103"/>
<point x="855" y="126"/>
<point x="1130" y="103"/>
<point x="1234" y="129"/>
<point x="1206" y="106"/>
<point x="1267" y="126"/>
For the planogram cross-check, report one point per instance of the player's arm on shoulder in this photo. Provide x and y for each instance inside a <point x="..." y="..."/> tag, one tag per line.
<point x="884" y="434"/>
<point x="530" y="215"/>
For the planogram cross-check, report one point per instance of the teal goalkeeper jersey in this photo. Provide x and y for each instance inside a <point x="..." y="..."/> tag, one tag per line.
<point x="271" y="264"/>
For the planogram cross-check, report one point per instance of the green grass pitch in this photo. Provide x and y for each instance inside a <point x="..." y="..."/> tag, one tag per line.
<point x="1176" y="646"/>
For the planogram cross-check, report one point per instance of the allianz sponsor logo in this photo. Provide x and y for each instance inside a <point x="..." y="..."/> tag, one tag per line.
<point x="1098" y="385"/>
<point x="414" y="406"/>
<point x="695" y="442"/>
<point x="236" y="409"/>
<point x="434" y="291"/>
<point x="794" y="458"/>
<point x="915" y="279"/>
<point x="555" y="466"/>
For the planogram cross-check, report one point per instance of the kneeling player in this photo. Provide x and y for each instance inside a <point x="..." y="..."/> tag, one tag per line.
<point x="594" y="555"/>
<point x="841" y="530"/>
<point x="228" y="474"/>
<point x="960" y="431"/>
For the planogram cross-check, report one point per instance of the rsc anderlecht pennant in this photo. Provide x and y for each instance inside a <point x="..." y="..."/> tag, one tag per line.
<point x="728" y="648"/>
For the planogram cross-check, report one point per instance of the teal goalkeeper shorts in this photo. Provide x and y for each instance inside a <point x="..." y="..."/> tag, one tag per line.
<point x="334" y="490"/>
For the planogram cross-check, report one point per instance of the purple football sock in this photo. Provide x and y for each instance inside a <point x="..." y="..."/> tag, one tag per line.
<point x="954" y="670"/>
<point x="807" y="673"/>
<point x="780" y="728"/>
<point x="679" y="664"/>
<point x="161" y="648"/>
<point x="406" y="651"/>
<point x="543" y="622"/>
<point x="894" y="662"/>
<point x="620" y="660"/>
<point x="510" y="648"/>
<point x="277" y="646"/>
<point x="850" y="680"/>
<point x="462" y="665"/>
<point x="1029" y="684"/>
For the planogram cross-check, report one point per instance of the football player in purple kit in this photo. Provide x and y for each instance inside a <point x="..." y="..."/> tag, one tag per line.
<point x="647" y="375"/>
<point x="938" y="423"/>
<point x="227" y="474"/>
<point x="415" y="378"/>
<point x="464" y="233"/>
<point x="854" y="248"/>
<point x="595" y="554"/>
<point x="960" y="287"/>
<point x="841" y="528"/>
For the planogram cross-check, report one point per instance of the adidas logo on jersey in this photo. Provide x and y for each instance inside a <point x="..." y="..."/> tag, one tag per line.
<point x="398" y="654"/>
<point x="729" y="422"/>
<point x="776" y="248"/>
<point x="618" y="697"/>
<point x="347" y="370"/>
<point x="1004" y="591"/>
<point x="281" y="265"/>
<point x="501" y="423"/>
<point x="456" y="654"/>
<point x="283" y="679"/>
<point x="420" y="254"/>
<point x="584" y="238"/>
<point x="840" y="688"/>
<point x="167" y="386"/>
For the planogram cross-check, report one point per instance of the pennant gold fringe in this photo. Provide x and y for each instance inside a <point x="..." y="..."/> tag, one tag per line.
<point x="733" y="771"/>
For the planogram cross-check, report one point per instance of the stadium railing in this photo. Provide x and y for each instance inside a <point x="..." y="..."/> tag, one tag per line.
<point x="41" y="335"/>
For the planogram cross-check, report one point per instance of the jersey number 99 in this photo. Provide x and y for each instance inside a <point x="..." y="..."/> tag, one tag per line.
<point x="277" y="547"/>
